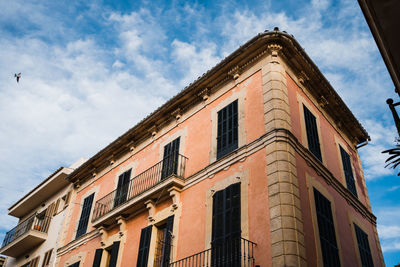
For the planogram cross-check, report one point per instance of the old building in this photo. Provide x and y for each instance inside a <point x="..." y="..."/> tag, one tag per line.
<point x="253" y="164"/>
<point x="41" y="212"/>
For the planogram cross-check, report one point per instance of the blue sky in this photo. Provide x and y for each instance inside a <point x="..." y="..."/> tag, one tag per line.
<point x="93" y="69"/>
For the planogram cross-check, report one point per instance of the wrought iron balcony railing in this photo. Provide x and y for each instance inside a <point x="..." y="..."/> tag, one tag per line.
<point x="35" y="222"/>
<point x="173" y="165"/>
<point x="234" y="253"/>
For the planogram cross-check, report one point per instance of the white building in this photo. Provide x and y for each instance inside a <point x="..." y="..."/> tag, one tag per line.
<point x="41" y="212"/>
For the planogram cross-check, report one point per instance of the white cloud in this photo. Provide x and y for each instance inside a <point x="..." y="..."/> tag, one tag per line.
<point x="393" y="188"/>
<point x="390" y="246"/>
<point x="372" y="158"/>
<point x="56" y="113"/>
<point x="389" y="231"/>
<point x="194" y="60"/>
<point x="320" y="4"/>
<point x="388" y="228"/>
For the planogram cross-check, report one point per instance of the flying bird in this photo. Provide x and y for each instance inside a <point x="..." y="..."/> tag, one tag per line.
<point x="17" y="76"/>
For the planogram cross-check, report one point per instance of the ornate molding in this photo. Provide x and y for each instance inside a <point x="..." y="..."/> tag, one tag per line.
<point x="235" y="72"/>
<point x="205" y="93"/>
<point x="275" y="49"/>
<point x="78" y="242"/>
<point x="121" y="221"/>
<point x="283" y="135"/>
<point x="175" y="192"/>
<point x="303" y="77"/>
<point x="177" y="114"/>
<point x="153" y="130"/>
<point x="150" y="206"/>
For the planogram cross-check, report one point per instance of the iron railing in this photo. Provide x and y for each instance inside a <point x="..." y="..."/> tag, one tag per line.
<point x="163" y="251"/>
<point x="35" y="222"/>
<point x="234" y="253"/>
<point x="174" y="164"/>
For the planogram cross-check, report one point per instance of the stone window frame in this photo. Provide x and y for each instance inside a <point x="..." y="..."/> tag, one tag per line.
<point x="182" y="133"/>
<point x="312" y="183"/>
<point x="85" y="195"/>
<point x="243" y="178"/>
<point x="158" y="218"/>
<point x="353" y="219"/>
<point x="339" y="143"/>
<point x="240" y="96"/>
<point x="314" y="110"/>
<point x="124" y="168"/>
<point x="80" y="257"/>
<point x="108" y="243"/>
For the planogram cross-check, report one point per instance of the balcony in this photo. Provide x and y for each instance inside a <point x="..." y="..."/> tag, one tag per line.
<point x="26" y="235"/>
<point x="150" y="184"/>
<point x="234" y="253"/>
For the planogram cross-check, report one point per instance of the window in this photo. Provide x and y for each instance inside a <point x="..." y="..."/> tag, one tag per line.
<point x="326" y="227"/>
<point x="363" y="247"/>
<point x="164" y="243"/>
<point x="226" y="227"/>
<point x="84" y="220"/>
<point x="46" y="260"/>
<point x="97" y="257"/>
<point x="66" y="198"/>
<point x="312" y="133"/>
<point x="56" y="210"/>
<point x="144" y="246"/>
<point x="227" y="132"/>
<point x="111" y="255"/>
<point x="33" y="263"/>
<point x="76" y="264"/>
<point x="348" y="172"/>
<point x="170" y="159"/>
<point x="122" y="188"/>
<point x="114" y="254"/>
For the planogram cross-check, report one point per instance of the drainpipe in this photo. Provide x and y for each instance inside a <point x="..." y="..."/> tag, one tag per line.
<point x="362" y="144"/>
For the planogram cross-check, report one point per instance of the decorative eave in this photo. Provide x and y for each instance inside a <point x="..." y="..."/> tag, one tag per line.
<point x="225" y="71"/>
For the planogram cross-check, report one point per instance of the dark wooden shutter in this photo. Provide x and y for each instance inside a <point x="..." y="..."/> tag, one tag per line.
<point x="326" y="227"/>
<point x="227" y="131"/>
<point x="84" y="220"/>
<point x="168" y="241"/>
<point x="122" y="188"/>
<point x="144" y="246"/>
<point x="363" y="247"/>
<point x="97" y="257"/>
<point x="55" y="212"/>
<point x="312" y="133"/>
<point x="348" y="172"/>
<point x="170" y="158"/>
<point x="76" y="264"/>
<point x="34" y="262"/>
<point x="47" y="257"/>
<point x="114" y="254"/>
<point x="226" y="227"/>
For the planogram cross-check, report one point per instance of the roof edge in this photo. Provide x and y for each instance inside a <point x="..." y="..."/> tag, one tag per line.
<point x="152" y="117"/>
<point x="30" y="193"/>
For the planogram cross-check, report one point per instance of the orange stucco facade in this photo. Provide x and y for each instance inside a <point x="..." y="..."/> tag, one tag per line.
<point x="279" y="217"/>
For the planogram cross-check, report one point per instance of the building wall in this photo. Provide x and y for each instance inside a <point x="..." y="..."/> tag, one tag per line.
<point x="345" y="215"/>
<point x="272" y="144"/>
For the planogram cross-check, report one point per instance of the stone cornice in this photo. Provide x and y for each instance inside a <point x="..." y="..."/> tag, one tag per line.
<point x="282" y="135"/>
<point x="78" y="242"/>
<point x="236" y="63"/>
<point x="321" y="170"/>
<point x="240" y="155"/>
